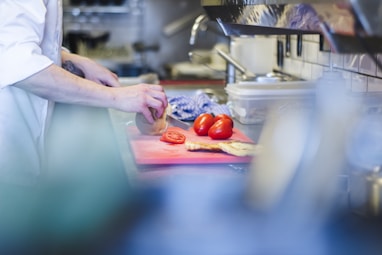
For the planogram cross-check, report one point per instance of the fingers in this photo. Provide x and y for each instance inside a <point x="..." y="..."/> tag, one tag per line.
<point x="157" y="100"/>
<point x="148" y="115"/>
<point x="160" y="102"/>
<point x="141" y="97"/>
<point x="114" y="75"/>
<point x="102" y="75"/>
<point x="157" y="92"/>
<point x="155" y="87"/>
<point x="107" y="78"/>
<point x="157" y="106"/>
<point x="161" y="97"/>
<point x="111" y="81"/>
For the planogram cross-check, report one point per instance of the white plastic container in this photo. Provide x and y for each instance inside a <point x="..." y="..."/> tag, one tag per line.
<point x="250" y="102"/>
<point x="255" y="52"/>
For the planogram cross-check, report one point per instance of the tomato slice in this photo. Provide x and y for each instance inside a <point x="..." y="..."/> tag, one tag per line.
<point x="172" y="136"/>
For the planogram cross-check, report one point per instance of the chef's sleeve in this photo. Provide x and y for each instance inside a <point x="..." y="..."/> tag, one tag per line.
<point x="22" y="27"/>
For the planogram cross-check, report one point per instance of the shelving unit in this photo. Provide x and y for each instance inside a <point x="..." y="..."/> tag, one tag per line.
<point x="122" y="22"/>
<point x="77" y="10"/>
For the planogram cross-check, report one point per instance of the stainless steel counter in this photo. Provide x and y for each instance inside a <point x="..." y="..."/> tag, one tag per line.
<point x="196" y="200"/>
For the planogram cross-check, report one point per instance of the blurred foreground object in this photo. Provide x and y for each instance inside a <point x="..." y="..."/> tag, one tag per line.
<point x="294" y="180"/>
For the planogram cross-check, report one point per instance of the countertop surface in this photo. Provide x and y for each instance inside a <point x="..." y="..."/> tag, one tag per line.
<point x="202" y="204"/>
<point x="120" y="122"/>
<point x="205" y="204"/>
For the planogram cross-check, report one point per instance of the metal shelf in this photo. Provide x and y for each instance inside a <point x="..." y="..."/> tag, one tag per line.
<point x="256" y="2"/>
<point x="76" y="10"/>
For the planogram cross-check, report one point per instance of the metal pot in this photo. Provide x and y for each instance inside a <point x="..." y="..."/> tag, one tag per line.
<point x="374" y="185"/>
<point x="365" y="192"/>
<point x="365" y="155"/>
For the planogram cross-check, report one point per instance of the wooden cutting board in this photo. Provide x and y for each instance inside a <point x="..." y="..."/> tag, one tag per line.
<point x="150" y="150"/>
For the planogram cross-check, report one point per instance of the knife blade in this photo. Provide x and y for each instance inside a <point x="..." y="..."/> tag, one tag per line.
<point x="173" y="121"/>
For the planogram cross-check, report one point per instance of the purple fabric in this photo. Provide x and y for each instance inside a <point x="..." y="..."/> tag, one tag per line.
<point x="188" y="108"/>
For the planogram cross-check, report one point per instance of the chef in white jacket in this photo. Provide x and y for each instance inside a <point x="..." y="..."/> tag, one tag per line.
<point x="31" y="79"/>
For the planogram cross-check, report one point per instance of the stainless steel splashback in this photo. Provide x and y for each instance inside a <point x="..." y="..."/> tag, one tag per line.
<point x="350" y="26"/>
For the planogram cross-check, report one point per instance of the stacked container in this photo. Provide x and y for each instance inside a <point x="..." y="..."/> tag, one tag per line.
<point x="250" y="102"/>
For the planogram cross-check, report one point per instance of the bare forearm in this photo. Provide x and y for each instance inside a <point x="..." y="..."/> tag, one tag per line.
<point x="74" y="58"/>
<point x="91" y="70"/>
<point x="56" y="84"/>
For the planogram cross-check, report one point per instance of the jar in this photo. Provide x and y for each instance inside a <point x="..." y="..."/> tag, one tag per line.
<point x="365" y="155"/>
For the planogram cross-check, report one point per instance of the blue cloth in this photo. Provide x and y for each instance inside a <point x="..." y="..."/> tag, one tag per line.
<point x="188" y="108"/>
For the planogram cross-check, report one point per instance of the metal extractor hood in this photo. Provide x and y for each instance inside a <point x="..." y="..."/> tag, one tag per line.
<point x="350" y="26"/>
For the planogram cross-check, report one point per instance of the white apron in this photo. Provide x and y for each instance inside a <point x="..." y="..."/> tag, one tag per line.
<point x="30" y="41"/>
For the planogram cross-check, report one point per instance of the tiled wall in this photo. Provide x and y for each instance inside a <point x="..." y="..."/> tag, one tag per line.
<point x="359" y="70"/>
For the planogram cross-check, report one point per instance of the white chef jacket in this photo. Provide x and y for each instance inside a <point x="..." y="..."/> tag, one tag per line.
<point x="30" y="41"/>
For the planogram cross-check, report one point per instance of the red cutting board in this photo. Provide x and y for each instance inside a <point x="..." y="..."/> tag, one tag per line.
<point x="150" y="150"/>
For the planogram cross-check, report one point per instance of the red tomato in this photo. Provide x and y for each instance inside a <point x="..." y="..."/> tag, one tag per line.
<point x="223" y="116"/>
<point x="171" y="136"/>
<point x="203" y="123"/>
<point x="221" y="129"/>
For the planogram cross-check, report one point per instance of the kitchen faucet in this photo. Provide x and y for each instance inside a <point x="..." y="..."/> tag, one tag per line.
<point x="199" y="24"/>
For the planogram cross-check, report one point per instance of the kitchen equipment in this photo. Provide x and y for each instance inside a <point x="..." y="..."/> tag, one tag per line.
<point x="91" y="39"/>
<point x="173" y="121"/>
<point x="287" y="46"/>
<point x="250" y="102"/>
<point x="255" y="52"/>
<point x="179" y="24"/>
<point x="150" y="150"/>
<point x="280" y="53"/>
<point x="349" y="26"/>
<point x="76" y="2"/>
<point x="150" y="78"/>
<point x="374" y="192"/>
<point x="365" y="154"/>
<point x="199" y="24"/>
<point x="200" y="56"/>
<point x="299" y="45"/>
<point x="246" y="74"/>
<point x="249" y="76"/>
